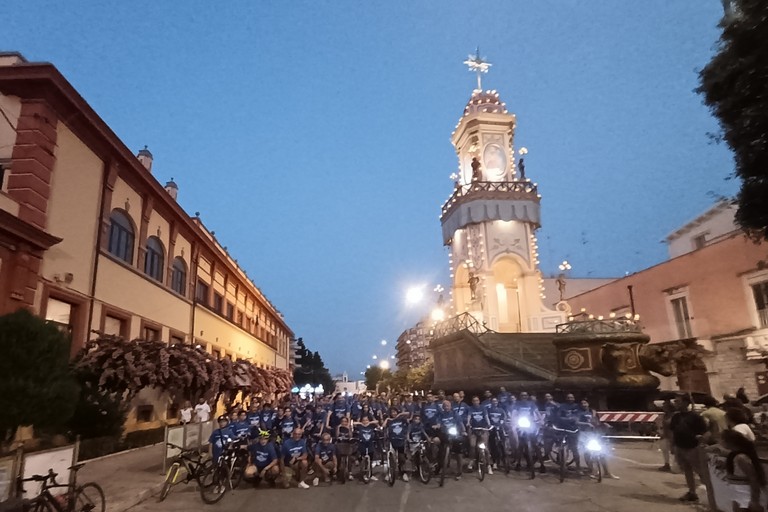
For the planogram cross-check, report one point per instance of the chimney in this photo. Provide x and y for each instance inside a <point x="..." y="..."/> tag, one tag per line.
<point x="145" y="157"/>
<point x="172" y="188"/>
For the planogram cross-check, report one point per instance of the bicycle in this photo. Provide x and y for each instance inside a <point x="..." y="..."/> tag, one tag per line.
<point x="88" y="497"/>
<point x="593" y="457"/>
<point x="345" y="448"/>
<point x="391" y="458"/>
<point x="191" y="462"/>
<point x="226" y="474"/>
<point x="526" y="436"/>
<point x="366" y="465"/>
<point x="447" y="442"/>
<point x="481" y="453"/>
<point x="562" y="453"/>
<point x="498" y="447"/>
<point x="421" y="461"/>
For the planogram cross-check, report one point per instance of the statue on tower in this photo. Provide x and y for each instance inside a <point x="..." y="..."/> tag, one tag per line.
<point x="473" y="281"/>
<point x="477" y="175"/>
<point x="521" y="166"/>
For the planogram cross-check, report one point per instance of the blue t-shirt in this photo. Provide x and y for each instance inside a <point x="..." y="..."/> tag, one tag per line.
<point x="343" y="433"/>
<point x="486" y="403"/>
<point x="430" y="414"/>
<point x="550" y="409"/>
<point x="219" y="439"/>
<point x="503" y="397"/>
<point x="355" y="409"/>
<point x="396" y="430"/>
<point x="302" y="416"/>
<point x="525" y="407"/>
<point x="366" y="434"/>
<point x="567" y="415"/>
<point x="478" y="417"/>
<point x="287" y="424"/>
<point x="262" y="456"/>
<point x="268" y="418"/>
<point x="241" y="429"/>
<point x="496" y="415"/>
<point x="318" y="421"/>
<point x="461" y="409"/>
<point x="449" y="420"/>
<point x="585" y="416"/>
<point x="417" y="433"/>
<point x="293" y="448"/>
<point x="340" y="410"/>
<point x="325" y="452"/>
<point x="411" y="408"/>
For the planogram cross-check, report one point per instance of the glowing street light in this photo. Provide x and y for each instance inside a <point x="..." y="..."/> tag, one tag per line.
<point x="384" y="364"/>
<point x="375" y="356"/>
<point x="383" y="343"/>
<point x="438" y="315"/>
<point x="414" y="295"/>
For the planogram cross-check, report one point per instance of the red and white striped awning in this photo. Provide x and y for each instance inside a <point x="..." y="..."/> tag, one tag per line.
<point x="626" y="416"/>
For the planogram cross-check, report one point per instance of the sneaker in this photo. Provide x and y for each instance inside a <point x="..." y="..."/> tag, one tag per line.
<point x="315" y="482"/>
<point x="470" y="466"/>
<point x="457" y="477"/>
<point x="495" y="466"/>
<point x="490" y="470"/>
<point x="406" y="478"/>
<point x="303" y="485"/>
<point x="374" y="479"/>
<point x="612" y="476"/>
<point x="666" y="468"/>
<point x="689" y="497"/>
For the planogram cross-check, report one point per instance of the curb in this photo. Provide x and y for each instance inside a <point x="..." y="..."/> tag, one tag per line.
<point x="139" y="498"/>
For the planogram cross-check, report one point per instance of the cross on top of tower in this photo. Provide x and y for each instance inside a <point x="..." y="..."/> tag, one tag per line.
<point x="479" y="65"/>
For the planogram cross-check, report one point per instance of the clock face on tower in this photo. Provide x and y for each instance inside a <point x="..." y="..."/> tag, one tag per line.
<point x="494" y="162"/>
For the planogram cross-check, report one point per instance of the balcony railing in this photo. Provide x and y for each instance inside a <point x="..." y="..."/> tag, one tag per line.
<point x="458" y="323"/>
<point x="599" y="326"/>
<point x="518" y="189"/>
<point x="763" y="316"/>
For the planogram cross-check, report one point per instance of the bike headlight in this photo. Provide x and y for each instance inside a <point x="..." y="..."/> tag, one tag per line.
<point x="481" y="446"/>
<point x="524" y="422"/>
<point x="594" y="445"/>
<point x="452" y="431"/>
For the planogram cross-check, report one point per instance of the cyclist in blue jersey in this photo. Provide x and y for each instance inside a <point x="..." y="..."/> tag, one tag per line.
<point x="343" y="430"/>
<point x="263" y="455"/>
<point x="242" y="427"/>
<point x="221" y="437"/>
<point x="503" y="396"/>
<point x="396" y="427"/>
<point x="338" y="411"/>
<point x="366" y="412"/>
<point x="325" y="459"/>
<point x="460" y="407"/>
<point x="287" y="423"/>
<point x="303" y="416"/>
<point x="477" y="418"/>
<point x="487" y="396"/>
<point x="430" y="415"/>
<point x="410" y="406"/>
<point x="497" y="416"/>
<point x="268" y="416"/>
<point x="254" y="416"/>
<point x="451" y="435"/>
<point x="294" y="456"/>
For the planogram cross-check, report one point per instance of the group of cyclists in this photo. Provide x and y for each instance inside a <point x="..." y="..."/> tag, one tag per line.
<point x="307" y="440"/>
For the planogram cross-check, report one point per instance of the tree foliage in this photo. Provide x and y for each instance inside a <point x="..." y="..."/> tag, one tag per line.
<point x="735" y="88"/>
<point x="36" y="387"/>
<point x="123" y="368"/>
<point x="375" y="375"/>
<point x="310" y="368"/>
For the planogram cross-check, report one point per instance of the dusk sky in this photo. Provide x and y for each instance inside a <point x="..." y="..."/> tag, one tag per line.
<point x="313" y="136"/>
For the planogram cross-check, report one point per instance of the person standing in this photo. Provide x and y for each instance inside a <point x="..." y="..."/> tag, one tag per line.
<point x="687" y="428"/>
<point x="665" y="433"/>
<point x="715" y="418"/>
<point x="186" y="413"/>
<point x="202" y="411"/>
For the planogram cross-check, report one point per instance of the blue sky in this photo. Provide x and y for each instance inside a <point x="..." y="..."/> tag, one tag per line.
<point x="313" y="136"/>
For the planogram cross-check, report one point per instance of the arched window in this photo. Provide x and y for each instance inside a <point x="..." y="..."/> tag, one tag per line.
<point x="179" y="276"/>
<point x="121" y="236"/>
<point x="153" y="263"/>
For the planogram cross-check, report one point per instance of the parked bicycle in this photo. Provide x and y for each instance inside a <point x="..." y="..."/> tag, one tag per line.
<point x="88" y="497"/>
<point x="224" y="475"/>
<point x="188" y="465"/>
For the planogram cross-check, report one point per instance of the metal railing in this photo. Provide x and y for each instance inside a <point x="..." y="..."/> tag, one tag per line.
<point x="599" y="326"/>
<point x="458" y="323"/>
<point x="525" y="189"/>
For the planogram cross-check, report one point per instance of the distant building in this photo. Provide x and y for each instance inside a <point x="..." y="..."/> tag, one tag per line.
<point x="93" y="241"/>
<point x="344" y="385"/>
<point x="413" y="346"/>
<point x="713" y="290"/>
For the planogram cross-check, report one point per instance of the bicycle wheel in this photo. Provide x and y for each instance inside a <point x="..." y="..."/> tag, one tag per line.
<point x="366" y="469"/>
<point x="238" y="470"/>
<point x="505" y="462"/>
<point x="89" y="498"/>
<point x="343" y="469"/>
<point x="391" y="467"/>
<point x="40" y="504"/>
<point x="213" y="485"/>
<point x="480" y="463"/>
<point x="170" y="479"/>
<point x="446" y="459"/>
<point x="599" y="470"/>
<point x="562" y="457"/>
<point x="424" y="468"/>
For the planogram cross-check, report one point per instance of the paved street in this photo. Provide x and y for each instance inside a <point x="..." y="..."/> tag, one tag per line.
<point x="641" y="489"/>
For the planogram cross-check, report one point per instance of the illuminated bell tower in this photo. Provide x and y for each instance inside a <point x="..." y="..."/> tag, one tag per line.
<point x="490" y="220"/>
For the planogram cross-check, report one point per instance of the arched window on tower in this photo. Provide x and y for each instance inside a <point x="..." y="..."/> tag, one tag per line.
<point x="179" y="276"/>
<point x="121" y="236"/>
<point x="153" y="263"/>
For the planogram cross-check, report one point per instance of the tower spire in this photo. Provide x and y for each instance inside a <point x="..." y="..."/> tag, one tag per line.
<point x="479" y="65"/>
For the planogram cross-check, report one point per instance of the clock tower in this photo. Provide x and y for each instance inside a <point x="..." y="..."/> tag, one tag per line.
<point x="489" y="223"/>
